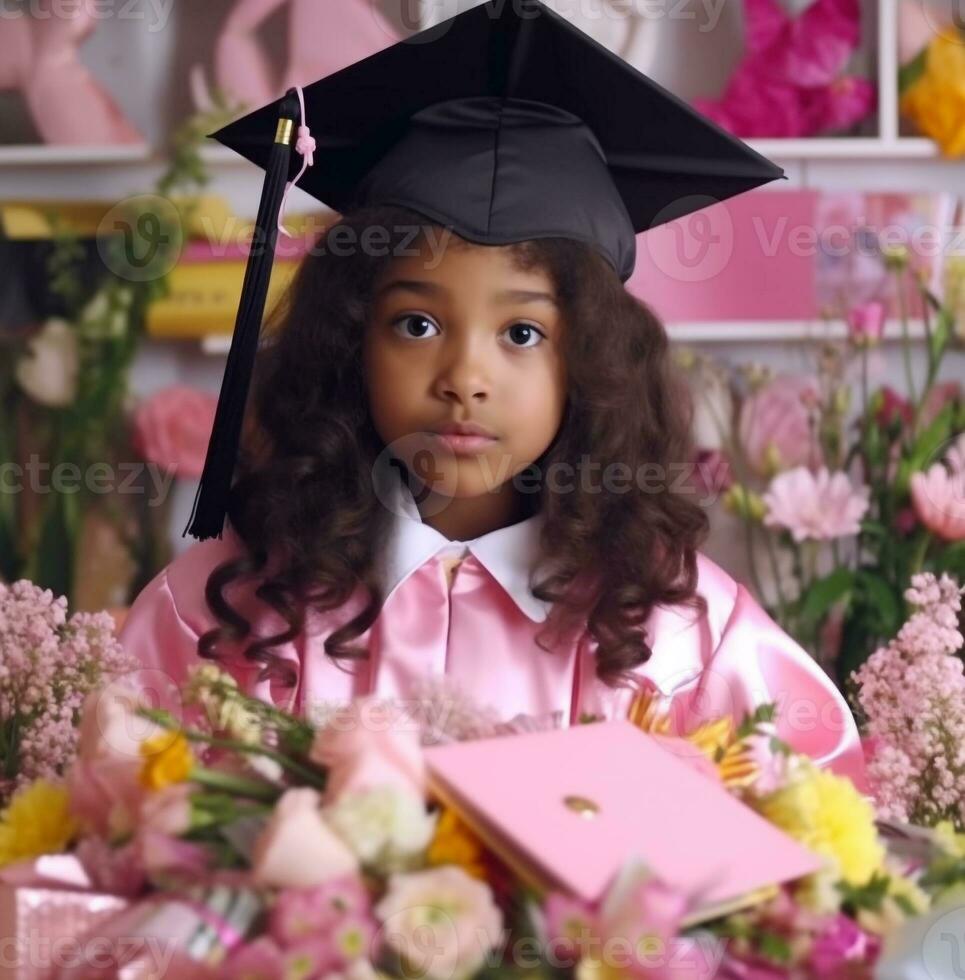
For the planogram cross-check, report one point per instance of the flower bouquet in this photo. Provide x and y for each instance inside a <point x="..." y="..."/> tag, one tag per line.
<point x="253" y="843"/>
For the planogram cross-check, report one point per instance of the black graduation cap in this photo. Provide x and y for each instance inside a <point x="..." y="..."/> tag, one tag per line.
<point x="504" y="123"/>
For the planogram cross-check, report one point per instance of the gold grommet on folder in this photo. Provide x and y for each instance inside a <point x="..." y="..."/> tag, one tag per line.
<point x="582" y="805"/>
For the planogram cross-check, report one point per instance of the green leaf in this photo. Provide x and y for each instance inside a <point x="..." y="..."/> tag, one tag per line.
<point x="941" y="334"/>
<point x="823" y="594"/>
<point x="952" y="560"/>
<point x="763" y="714"/>
<point x="881" y="598"/>
<point x="926" y="447"/>
<point x="910" y="72"/>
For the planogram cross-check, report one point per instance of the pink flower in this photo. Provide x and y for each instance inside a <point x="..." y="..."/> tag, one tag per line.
<point x="939" y="501"/>
<point x="818" y="506"/>
<point x="789" y="83"/>
<point x="163" y="856"/>
<point x="866" y="323"/>
<point x="104" y="782"/>
<point x="442" y="921"/>
<point x="892" y="408"/>
<point x="364" y="746"/>
<point x="112" y="869"/>
<point x="647" y="914"/>
<point x="172" y="428"/>
<point x="912" y="693"/>
<point x="168" y="810"/>
<point x="297" y="849"/>
<point x="569" y="925"/>
<point x="840" y="942"/>
<point x="258" y="960"/>
<point x="301" y="913"/>
<point x="776" y="428"/>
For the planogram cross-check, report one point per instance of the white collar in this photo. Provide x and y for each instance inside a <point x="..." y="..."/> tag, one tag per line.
<point x="509" y="554"/>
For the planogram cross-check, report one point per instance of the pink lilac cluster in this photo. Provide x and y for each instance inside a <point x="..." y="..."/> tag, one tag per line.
<point x="48" y="663"/>
<point x="912" y="693"/>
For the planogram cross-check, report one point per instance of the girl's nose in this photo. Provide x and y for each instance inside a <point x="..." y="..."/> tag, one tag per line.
<point x="465" y="375"/>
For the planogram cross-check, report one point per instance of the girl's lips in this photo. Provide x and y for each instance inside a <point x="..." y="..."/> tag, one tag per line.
<point x="462" y="444"/>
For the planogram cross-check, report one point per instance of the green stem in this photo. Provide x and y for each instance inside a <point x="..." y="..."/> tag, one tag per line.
<point x="309" y="776"/>
<point x="231" y="783"/>
<point x="776" y="572"/>
<point x="906" y="347"/>
<point x="919" y="554"/>
<point x="751" y="558"/>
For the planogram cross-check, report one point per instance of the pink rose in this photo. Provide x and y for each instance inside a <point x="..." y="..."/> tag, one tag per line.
<point x="866" y="323"/>
<point x="297" y="849"/>
<point x="939" y="501"/>
<point x="104" y="780"/>
<point x="168" y="810"/>
<point x="172" y="428"/>
<point x="775" y="427"/>
<point x="365" y="745"/>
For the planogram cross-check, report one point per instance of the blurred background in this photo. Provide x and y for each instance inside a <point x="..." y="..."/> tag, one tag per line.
<point x="821" y="320"/>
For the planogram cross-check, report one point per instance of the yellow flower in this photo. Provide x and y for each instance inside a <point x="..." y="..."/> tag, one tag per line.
<point x="454" y="843"/>
<point x="167" y="760"/>
<point x="745" y="503"/>
<point x="37" y="821"/>
<point x="828" y="815"/>
<point x="935" y="102"/>
<point x="716" y="739"/>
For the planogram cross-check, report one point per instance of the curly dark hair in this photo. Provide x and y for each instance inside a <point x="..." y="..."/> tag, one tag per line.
<point x="304" y="504"/>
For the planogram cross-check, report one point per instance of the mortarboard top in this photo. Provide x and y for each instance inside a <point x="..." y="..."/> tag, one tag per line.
<point x="504" y="123"/>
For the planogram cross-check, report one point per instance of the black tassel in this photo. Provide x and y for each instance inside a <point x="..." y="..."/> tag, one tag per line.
<point x="211" y="502"/>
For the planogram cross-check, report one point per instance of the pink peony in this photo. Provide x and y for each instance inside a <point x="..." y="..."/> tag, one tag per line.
<point x="172" y="428"/>
<point x="365" y="745"/>
<point x="818" y="506"/>
<point x="776" y="428"/>
<point x="866" y="323"/>
<point x="939" y="501"/>
<point x="297" y="849"/>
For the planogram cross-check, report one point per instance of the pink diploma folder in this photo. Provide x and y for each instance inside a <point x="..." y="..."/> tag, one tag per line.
<point x="567" y="809"/>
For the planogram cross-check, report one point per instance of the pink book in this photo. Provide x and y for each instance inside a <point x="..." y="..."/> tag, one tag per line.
<point x="567" y="809"/>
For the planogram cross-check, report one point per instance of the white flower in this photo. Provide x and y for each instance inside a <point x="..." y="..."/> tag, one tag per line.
<point x="386" y="827"/>
<point x="48" y="371"/>
<point x="442" y="922"/>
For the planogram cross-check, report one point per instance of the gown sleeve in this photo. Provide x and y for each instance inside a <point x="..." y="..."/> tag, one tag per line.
<point x="726" y="663"/>
<point x="756" y="662"/>
<point x="162" y="629"/>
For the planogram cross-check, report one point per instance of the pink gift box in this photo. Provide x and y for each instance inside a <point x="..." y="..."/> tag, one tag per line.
<point x="45" y="930"/>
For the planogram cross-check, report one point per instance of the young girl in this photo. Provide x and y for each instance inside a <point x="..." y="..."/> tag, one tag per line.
<point x="469" y="457"/>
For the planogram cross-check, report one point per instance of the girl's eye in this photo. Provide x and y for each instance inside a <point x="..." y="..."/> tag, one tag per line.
<point x="421" y="324"/>
<point x="525" y="335"/>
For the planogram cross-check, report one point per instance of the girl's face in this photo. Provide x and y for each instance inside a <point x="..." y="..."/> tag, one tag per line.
<point x="468" y="339"/>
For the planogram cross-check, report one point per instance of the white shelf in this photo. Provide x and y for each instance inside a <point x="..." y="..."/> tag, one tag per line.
<point x="743" y="331"/>
<point x="42" y="154"/>
<point x="859" y="148"/>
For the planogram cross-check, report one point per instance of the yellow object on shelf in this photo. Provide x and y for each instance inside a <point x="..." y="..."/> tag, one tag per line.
<point x="203" y="299"/>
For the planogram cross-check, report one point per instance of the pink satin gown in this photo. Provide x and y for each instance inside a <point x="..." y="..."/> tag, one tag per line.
<point x="479" y="626"/>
